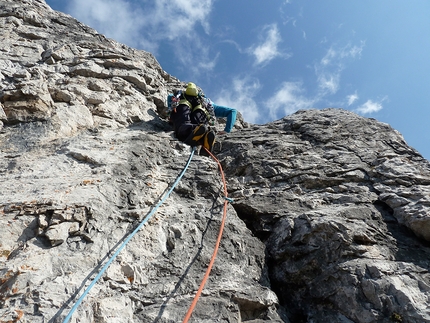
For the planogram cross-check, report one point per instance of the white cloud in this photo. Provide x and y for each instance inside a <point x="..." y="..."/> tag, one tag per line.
<point x="369" y="107"/>
<point x="198" y="61"/>
<point x="288" y="99"/>
<point x="130" y="23"/>
<point x="177" y="18"/>
<point x="116" y="19"/>
<point x="209" y="63"/>
<point x="352" y="98"/>
<point x="241" y="96"/>
<point x="234" y="43"/>
<point x="329" y="69"/>
<point x="268" y="49"/>
<point x="145" y="24"/>
<point x="354" y="51"/>
<point x="329" y="82"/>
<point x="329" y="56"/>
<point x="334" y="56"/>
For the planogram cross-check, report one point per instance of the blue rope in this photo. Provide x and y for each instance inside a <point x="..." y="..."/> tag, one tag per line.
<point x="79" y="301"/>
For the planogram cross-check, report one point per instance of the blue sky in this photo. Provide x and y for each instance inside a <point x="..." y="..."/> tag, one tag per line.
<point x="269" y="58"/>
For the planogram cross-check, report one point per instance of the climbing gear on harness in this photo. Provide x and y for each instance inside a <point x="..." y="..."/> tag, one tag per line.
<point x="79" y="301"/>
<point x="173" y="102"/>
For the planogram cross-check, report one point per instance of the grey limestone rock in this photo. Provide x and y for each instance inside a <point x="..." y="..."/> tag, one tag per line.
<point x="341" y="203"/>
<point x="330" y="219"/>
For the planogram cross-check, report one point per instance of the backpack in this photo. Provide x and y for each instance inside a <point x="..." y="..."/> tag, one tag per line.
<point x="207" y="107"/>
<point x="206" y="117"/>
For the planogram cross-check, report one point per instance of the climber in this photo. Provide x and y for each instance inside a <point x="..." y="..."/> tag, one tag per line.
<point x="190" y="119"/>
<point x="207" y="111"/>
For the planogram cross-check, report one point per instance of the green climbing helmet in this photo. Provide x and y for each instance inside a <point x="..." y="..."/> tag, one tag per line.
<point x="191" y="89"/>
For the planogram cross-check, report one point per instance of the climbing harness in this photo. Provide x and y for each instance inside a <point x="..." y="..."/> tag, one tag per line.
<point x="208" y="270"/>
<point x="79" y="301"/>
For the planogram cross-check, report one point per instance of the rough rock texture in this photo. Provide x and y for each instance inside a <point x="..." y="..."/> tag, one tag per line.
<point x="330" y="220"/>
<point x="342" y="204"/>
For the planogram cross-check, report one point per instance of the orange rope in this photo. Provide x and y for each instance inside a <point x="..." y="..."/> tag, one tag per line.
<point x="208" y="270"/>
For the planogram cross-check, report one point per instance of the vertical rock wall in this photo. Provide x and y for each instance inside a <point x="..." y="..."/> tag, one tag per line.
<point x="85" y="157"/>
<point x="330" y="219"/>
<point x="342" y="204"/>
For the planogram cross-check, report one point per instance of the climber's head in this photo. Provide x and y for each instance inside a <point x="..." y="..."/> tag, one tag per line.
<point x="191" y="89"/>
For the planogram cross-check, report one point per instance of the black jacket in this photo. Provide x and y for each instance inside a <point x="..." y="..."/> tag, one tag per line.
<point x="182" y="119"/>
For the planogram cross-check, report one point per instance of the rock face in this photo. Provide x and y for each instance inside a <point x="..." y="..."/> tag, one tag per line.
<point x="330" y="220"/>
<point x="342" y="205"/>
